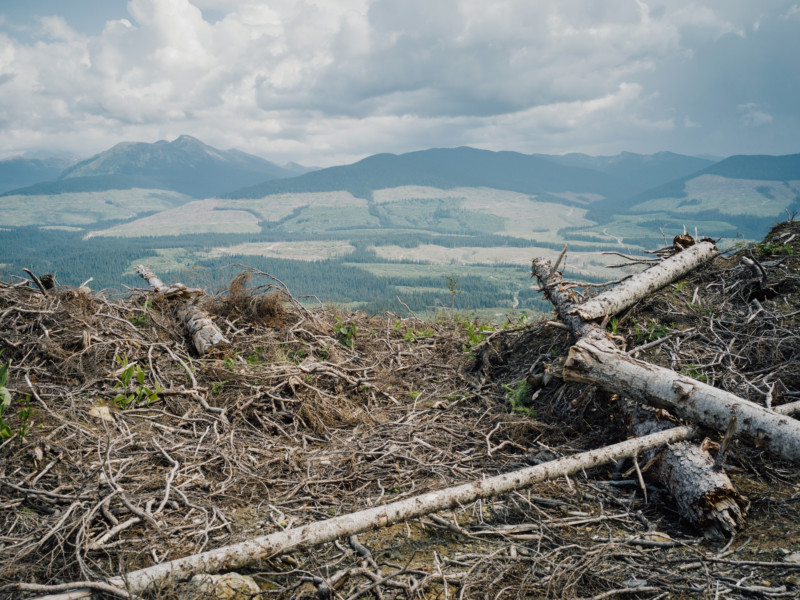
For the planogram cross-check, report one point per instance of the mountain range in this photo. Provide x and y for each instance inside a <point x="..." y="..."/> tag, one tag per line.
<point x="184" y="165"/>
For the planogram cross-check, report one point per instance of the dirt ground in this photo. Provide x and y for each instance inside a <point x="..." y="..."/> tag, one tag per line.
<point x="122" y="448"/>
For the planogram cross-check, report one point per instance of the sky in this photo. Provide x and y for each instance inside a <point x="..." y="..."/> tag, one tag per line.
<point x="325" y="82"/>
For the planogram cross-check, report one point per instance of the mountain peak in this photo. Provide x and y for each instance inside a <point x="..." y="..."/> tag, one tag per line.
<point x="185" y="165"/>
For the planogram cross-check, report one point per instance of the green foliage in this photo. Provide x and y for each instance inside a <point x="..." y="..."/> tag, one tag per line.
<point x="23" y="415"/>
<point x="474" y="331"/>
<point x="516" y="396"/>
<point x="144" y="318"/>
<point x="347" y="333"/>
<point x="133" y="375"/>
<point x="452" y="287"/>
<point x="414" y="395"/>
<point x="652" y="331"/>
<point x="255" y="357"/>
<point x="613" y="325"/>
<point x="229" y="363"/>
<point x="216" y="387"/>
<point x="694" y="372"/>
<point x="770" y="248"/>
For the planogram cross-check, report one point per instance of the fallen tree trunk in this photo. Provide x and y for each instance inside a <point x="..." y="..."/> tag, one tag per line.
<point x="630" y="291"/>
<point x="247" y="552"/>
<point x="206" y="336"/>
<point x="599" y="362"/>
<point x="596" y="360"/>
<point x="704" y="494"/>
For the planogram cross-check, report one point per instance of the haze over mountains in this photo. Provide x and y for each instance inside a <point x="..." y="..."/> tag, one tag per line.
<point x="184" y="165"/>
<point x="357" y="233"/>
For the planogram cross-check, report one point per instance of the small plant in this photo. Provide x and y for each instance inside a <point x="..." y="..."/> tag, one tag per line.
<point x="613" y="325"/>
<point x="653" y="331"/>
<point x="414" y="395"/>
<point x="141" y="320"/>
<point x="133" y="374"/>
<point x="216" y="387"/>
<point x="347" y="333"/>
<point x="229" y="363"/>
<point x="475" y="332"/>
<point x="694" y="372"/>
<point x="256" y="357"/>
<point x="516" y="396"/>
<point x="452" y="287"/>
<point x="770" y="248"/>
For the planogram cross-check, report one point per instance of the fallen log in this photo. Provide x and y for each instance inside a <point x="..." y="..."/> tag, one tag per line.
<point x="247" y="552"/>
<point x="704" y="494"/>
<point x="206" y="336"/>
<point x="630" y="291"/>
<point x="596" y="360"/>
<point x="599" y="362"/>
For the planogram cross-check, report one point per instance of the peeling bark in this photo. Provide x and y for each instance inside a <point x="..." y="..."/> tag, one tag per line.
<point x="599" y="362"/>
<point x="629" y="292"/>
<point x="206" y="336"/>
<point x="704" y="495"/>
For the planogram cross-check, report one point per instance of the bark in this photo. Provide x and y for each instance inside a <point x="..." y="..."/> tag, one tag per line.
<point x="599" y="362"/>
<point x="705" y="495"/>
<point x="629" y="292"/>
<point x="206" y="336"/>
<point x="247" y="552"/>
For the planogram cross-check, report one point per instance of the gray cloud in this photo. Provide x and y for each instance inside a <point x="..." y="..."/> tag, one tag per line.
<point x="328" y="81"/>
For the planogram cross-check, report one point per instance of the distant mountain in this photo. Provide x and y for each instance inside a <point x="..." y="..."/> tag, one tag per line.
<point x="710" y="192"/>
<point x="299" y="169"/>
<point x="185" y="165"/>
<point x="640" y="171"/>
<point x="445" y="168"/>
<point x="22" y="171"/>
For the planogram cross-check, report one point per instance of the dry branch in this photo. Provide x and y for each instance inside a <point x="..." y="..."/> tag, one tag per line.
<point x="247" y="552"/>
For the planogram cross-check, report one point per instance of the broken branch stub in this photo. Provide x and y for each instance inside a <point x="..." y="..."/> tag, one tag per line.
<point x="640" y="286"/>
<point x="206" y="336"/>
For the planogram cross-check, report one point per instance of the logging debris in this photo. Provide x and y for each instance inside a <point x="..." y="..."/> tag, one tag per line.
<point x="307" y="418"/>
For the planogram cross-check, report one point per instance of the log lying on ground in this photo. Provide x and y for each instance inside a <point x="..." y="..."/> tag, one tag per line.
<point x="246" y="553"/>
<point x="599" y="362"/>
<point x="705" y="496"/>
<point x="206" y="336"/>
<point x="630" y="291"/>
<point x="596" y="360"/>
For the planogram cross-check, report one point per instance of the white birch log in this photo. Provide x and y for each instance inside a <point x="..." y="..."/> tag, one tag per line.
<point x="206" y="336"/>
<point x="208" y="340"/>
<point x="249" y="551"/>
<point x="599" y="362"/>
<point x="705" y="495"/>
<point x="630" y="291"/>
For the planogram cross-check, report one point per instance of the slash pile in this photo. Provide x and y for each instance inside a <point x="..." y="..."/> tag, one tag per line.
<point x="127" y="449"/>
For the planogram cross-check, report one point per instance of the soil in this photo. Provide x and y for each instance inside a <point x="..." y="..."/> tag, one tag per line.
<point x="123" y="448"/>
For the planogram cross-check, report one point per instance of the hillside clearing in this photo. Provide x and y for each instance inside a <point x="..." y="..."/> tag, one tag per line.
<point x="317" y="414"/>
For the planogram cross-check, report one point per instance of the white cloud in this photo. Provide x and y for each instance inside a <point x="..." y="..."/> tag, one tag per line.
<point x="752" y="116"/>
<point x="322" y="81"/>
<point x="792" y="13"/>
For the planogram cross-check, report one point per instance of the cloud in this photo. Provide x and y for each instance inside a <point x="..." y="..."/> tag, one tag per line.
<point x="751" y="116"/>
<point x="325" y="81"/>
<point x="792" y="13"/>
